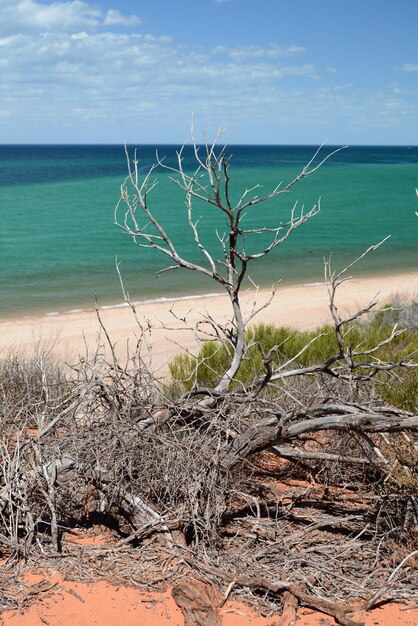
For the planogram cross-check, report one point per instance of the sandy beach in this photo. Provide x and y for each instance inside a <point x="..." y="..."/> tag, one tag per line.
<point x="299" y="306"/>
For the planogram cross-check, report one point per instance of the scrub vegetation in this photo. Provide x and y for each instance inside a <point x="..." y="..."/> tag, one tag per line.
<point x="273" y="464"/>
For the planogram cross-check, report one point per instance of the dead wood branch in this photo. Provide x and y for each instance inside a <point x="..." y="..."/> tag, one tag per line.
<point x="275" y="430"/>
<point x="198" y="600"/>
<point x="336" y="610"/>
<point x="289" y="613"/>
<point x="210" y="183"/>
<point x="381" y="592"/>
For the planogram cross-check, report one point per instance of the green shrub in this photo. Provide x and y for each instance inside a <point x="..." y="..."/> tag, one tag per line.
<point x="214" y="358"/>
<point x="401" y="392"/>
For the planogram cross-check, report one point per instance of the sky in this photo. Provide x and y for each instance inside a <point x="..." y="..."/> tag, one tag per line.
<point x="266" y="71"/>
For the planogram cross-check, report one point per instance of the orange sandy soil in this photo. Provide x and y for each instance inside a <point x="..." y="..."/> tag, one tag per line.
<point x="99" y="603"/>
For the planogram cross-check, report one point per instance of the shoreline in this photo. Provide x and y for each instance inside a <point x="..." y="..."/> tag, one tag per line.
<point x="150" y="300"/>
<point x="303" y="306"/>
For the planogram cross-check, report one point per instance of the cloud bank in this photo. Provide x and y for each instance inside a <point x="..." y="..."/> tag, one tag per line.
<point x="71" y="72"/>
<point x="30" y="16"/>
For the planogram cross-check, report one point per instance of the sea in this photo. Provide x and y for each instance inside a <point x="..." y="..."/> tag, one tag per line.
<point x="59" y="243"/>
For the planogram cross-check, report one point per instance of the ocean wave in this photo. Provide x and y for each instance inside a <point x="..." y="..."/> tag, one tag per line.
<point x="124" y="305"/>
<point x="161" y="299"/>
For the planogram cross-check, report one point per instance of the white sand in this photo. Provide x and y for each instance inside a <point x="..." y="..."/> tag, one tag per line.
<point x="300" y="306"/>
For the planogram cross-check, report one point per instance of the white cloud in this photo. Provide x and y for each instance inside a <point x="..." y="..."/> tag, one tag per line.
<point x="116" y="77"/>
<point x="115" y="58"/>
<point x="82" y="81"/>
<point x="115" y="18"/>
<point x="31" y="16"/>
<point x="273" y="51"/>
<point x="410" y="67"/>
<point x="82" y="35"/>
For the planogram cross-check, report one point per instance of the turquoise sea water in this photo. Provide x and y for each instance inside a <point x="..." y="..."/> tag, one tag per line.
<point x="58" y="243"/>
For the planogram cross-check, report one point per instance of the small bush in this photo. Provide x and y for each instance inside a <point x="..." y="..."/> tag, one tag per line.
<point x="402" y="391"/>
<point x="399" y="311"/>
<point x="27" y="385"/>
<point x="214" y="358"/>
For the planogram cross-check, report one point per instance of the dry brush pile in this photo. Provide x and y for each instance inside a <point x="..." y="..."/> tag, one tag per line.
<point x="294" y="484"/>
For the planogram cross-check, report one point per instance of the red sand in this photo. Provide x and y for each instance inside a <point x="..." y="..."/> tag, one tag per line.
<point x="101" y="604"/>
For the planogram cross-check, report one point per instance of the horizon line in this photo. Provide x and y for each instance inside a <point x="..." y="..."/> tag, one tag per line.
<point x="162" y="143"/>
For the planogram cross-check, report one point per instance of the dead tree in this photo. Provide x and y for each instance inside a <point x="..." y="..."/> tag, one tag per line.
<point x="265" y="424"/>
<point x="210" y="183"/>
<point x="273" y="412"/>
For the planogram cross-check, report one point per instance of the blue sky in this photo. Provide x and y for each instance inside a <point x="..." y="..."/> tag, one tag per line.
<point x="267" y="71"/>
